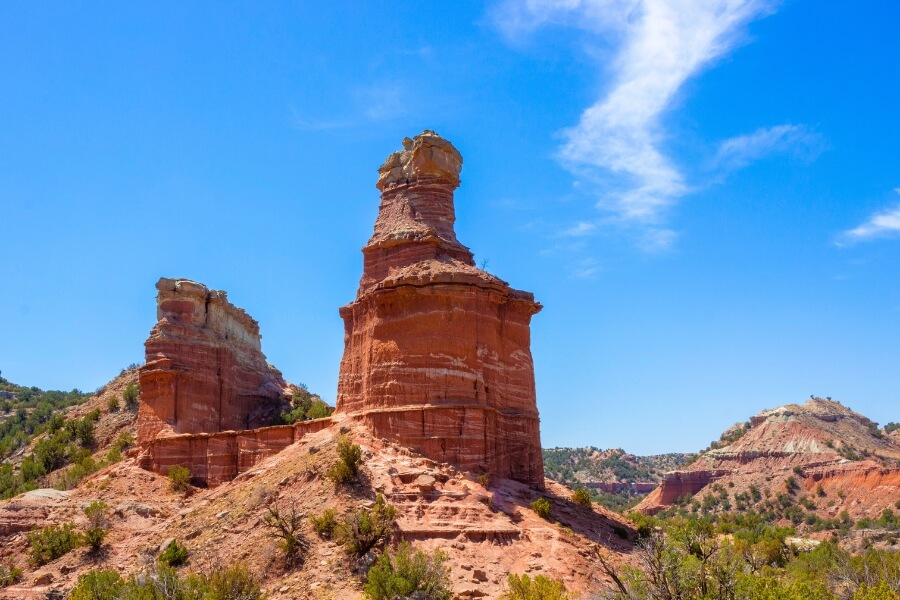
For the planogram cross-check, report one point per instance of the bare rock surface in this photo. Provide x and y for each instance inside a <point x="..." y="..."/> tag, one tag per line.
<point x="437" y="352"/>
<point x="205" y="371"/>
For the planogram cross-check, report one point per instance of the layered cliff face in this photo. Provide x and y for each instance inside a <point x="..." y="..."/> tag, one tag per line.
<point x="205" y="371"/>
<point x="437" y="352"/>
<point x="819" y="445"/>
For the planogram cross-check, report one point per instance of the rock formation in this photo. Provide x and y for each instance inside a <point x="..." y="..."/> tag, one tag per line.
<point x="818" y="444"/>
<point x="437" y="352"/>
<point x="205" y="371"/>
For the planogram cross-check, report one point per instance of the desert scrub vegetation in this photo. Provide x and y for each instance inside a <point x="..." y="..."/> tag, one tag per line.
<point x="349" y="458"/>
<point x="541" y="506"/>
<point x="582" y="497"/>
<point x="285" y="525"/>
<point x="179" y="479"/>
<point x="365" y="529"/>
<point x="304" y="407"/>
<point x="65" y="442"/>
<point x="743" y="557"/>
<point x="233" y="582"/>
<point x="409" y="574"/>
<point x="131" y="395"/>
<point x="97" y="514"/>
<point x="51" y="542"/>
<point x="173" y="555"/>
<point x="325" y="524"/>
<point x="523" y="587"/>
<point x="9" y="574"/>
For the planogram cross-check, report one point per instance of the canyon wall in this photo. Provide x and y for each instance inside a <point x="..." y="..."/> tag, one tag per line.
<point x="205" y="371"/>
<point x="437" y="352"/>
<point x="214" y="458"/>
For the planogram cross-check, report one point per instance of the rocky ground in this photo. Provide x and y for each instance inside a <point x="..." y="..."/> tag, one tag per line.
<point x="486" y="528"/>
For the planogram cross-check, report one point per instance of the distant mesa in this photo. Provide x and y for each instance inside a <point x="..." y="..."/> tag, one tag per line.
<point x="437" y="352"/>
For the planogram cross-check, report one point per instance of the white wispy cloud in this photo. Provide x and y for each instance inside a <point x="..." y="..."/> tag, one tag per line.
<point x="738" y="152"/>
<point x="618" y="142"/>
<point x="885" y="223"/>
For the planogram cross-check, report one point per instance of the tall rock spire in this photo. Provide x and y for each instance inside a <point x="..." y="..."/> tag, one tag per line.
<point x="437" y="352"/>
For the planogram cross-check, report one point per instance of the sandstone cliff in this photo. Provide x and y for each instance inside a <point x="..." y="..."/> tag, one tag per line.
<point x="821" y="450"/>
<point x="205" y="371"/>
<point x="437" y="352"/>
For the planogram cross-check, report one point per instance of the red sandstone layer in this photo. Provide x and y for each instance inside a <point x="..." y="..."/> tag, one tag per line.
<point x="437" y="352"/>
<point x="205" y="371"/>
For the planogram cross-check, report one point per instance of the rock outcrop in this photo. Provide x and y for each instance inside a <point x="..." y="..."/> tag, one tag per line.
<point x="437" y="352"/>
<point x="205" y="371"/>
<point x="817" y="445"/>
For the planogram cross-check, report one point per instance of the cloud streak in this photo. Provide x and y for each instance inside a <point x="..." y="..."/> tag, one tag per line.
<point x="738" y="152"/>
<point x="885" y="223"/>
<point x="617" y="143"/>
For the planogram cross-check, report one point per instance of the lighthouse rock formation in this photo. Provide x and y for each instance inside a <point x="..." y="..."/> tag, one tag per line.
<point x="437" y="352"/>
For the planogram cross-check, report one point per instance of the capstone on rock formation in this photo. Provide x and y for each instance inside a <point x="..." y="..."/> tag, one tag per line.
<point x="437" y="352"/>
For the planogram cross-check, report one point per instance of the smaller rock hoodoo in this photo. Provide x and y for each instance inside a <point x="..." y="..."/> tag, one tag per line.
<point x="437" y="352"/>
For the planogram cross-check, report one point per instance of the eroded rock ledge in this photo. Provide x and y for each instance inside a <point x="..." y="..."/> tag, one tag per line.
<point x="207" y="391"/>
<point x="437" y="352"/>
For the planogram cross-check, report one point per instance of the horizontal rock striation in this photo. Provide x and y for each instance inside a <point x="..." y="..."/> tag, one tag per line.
<point x="437" y="352"/>
<point x="214" y="458"/>
<point x="205" y="371"/>
<point x="819" y="444"/>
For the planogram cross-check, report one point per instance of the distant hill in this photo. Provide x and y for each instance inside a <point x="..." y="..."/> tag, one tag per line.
<point x="819" y="467"/>
<point x="614" y="477"/>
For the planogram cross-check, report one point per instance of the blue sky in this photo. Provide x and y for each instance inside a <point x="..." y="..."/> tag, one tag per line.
<point x="704" y="194"/>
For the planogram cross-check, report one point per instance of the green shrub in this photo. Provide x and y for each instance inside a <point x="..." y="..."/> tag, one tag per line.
<point x="98" y="524"/>
<point x="305" y="406"/>
<point x="113" y="456"/>
<point x="9" y="574"/>
<point x="319" y="410"/>
<point x="124" y="441"/>
<point x="232" y="583"/>
<point x="131" y="394"/>
<point x="522" y="587"/>
<point x="286" y="527"/>
<point x="349" y="459"/>
<point x="542" y="507"/>
<point x="51" y="542"/>
<point x="173" y="555"/>
<point x="364" y="529"/>
<point x="582" y="497"/>
<point x="98" y="585"/>
<point x="620" y="531"/>
<point x="406" y="573"/>
<point x="113" y="404"/>
<point x="179" y="478"/>
<point x="325" y="524"/>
